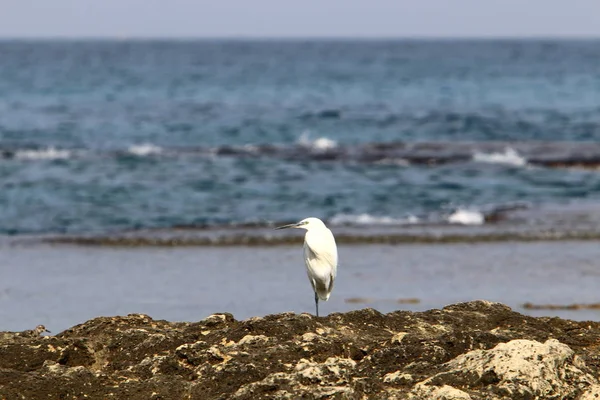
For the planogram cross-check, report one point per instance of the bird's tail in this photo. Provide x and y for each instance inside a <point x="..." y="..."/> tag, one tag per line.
<point x="323" y="295"/>
<point x="322" y="289"/>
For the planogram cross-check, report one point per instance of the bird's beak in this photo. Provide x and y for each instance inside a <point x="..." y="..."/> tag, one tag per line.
<point x="46" y="330"/>
<point x="288" y="226"/>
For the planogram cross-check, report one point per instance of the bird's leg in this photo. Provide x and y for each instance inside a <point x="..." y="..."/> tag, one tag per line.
<point x="317" y="303"/>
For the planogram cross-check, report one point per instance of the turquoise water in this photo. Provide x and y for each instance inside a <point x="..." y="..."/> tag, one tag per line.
<point x="104" y="136"/>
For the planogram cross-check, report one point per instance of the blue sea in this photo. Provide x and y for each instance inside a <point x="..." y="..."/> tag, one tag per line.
<point x="103" y="136"/>
<point x="409" y="140"/>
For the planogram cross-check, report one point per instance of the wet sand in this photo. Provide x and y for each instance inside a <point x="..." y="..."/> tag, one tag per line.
<point x="62" y="285"/>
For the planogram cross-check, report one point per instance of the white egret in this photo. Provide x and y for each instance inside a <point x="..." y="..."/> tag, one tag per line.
<point x="320" y="256"/>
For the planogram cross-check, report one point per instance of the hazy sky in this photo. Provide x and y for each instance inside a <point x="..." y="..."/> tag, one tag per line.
<point x="281" y="18"/>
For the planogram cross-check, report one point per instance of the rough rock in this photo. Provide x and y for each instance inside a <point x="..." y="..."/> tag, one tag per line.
<point x="521" y="369"/>
<point x="475" y="350"/>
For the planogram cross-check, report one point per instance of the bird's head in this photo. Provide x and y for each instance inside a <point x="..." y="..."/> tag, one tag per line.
<point x="307" y="223"/>
<point x="41" y="329"/>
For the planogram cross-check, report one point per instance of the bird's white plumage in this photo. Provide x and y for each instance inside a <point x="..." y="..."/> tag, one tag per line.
<point x="320" y="256"/>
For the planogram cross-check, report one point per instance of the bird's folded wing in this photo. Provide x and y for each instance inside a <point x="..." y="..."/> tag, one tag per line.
<point x="320" y="256"/>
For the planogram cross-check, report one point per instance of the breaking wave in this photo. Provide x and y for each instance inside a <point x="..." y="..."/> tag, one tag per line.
<point x="144" y="149"/>
<point x="367" y="219"/>
<point x="509" y="157"/>
<point x="466" y="217"/>
<point x="401" y="154"/>
<point x="321" y="143"/>
<point x="49" y="153"/>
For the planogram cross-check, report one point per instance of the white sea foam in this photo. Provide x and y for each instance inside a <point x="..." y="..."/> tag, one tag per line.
<point x="250" y="148"/>
<point x="321" y="143"/>
<point x="49" y="153"/>
<point x="510" y="156"/>
<point x="466" y="217"/>
<point x="144" y="149"/>
<point x="367" y="219"/>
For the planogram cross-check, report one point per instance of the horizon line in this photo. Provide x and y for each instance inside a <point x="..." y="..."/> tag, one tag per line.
<point x="297" y="38"/>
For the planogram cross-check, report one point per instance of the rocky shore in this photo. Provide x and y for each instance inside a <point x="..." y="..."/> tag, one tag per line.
<point x="475" y="350"/>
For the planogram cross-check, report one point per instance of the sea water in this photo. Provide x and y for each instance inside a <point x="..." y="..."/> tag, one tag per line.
<point x="471" y="140"/>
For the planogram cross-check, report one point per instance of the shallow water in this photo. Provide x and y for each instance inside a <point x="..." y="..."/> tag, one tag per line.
<point x="60" y="286"/>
